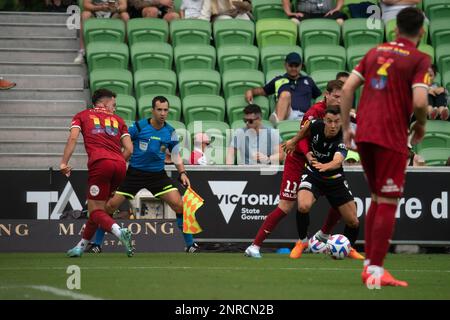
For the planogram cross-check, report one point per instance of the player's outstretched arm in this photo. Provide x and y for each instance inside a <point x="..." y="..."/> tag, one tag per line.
<point x="336" y="163"/>
<point x="289" y="146"/>
<point x="68" y="151"/>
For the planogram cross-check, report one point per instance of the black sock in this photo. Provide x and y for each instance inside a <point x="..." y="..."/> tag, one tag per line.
<point x="351" y="234"/>
<point x="302" y="224"/>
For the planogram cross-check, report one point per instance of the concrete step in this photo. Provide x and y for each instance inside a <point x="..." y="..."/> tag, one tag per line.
<point x="34" y="133"/>
<point x="38" y="147"/>
<point x="40" y="42"/>
<point x="38" y="55"/>
<point x="54" y="107"/>
<point x="39" y="161"/>
<point x="45" y="94"/>
<point x="42" y="120"/>
<point x="37" y="30"/>
<point x="33" y="17"/>
<point x="43" y="68"/>
<point x="46" y="81"/>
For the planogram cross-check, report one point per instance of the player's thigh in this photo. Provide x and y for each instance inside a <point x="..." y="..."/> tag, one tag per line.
<point x="96" y="205"/>
<point x="100" y="175"/>
<point x="290" y="182"/>
<point x="174" y="200"/>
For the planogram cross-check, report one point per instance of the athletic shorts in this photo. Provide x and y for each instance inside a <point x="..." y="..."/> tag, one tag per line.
<point x="335" y="190"/>
<point x="293" y="169"/>
<point x="385" y="169"/>
<point x="158" y="183"/>
<point x="104" y="176"/>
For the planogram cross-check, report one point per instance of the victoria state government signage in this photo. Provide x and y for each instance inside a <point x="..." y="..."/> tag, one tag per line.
<point x="236" y="203"/>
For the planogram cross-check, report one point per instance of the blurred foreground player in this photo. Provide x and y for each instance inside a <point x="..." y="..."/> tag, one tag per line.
<point x="395" y="77"/>
<point x="104" y="134"/>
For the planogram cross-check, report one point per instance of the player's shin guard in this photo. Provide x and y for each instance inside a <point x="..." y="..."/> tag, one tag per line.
<point x="382" y="229"/>
<point x="371" y="213"/>
<point x="269" y="224"/>
<point x="102" y="219"/>
<point x="351" y="234"/>
<point x="302" y="220"/>
<point x="331" y="221"/>
<point x="99" y="236"/>
<point x="188" y="238"/>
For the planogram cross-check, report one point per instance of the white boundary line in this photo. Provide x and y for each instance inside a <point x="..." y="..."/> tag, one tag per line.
<point x="55" y="291"/>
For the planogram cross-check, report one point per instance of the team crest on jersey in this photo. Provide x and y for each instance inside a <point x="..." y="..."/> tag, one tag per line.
<point x="94" y="190"/>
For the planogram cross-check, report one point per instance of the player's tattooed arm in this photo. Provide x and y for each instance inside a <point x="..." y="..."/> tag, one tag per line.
<point x="289" y="146"/>
<point x="336" y="163"/>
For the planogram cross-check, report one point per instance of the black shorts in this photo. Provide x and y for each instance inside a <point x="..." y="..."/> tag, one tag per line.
<point x="158" y="183"/>
<point x="336" y="190"/>
<point x="437" y="101"/>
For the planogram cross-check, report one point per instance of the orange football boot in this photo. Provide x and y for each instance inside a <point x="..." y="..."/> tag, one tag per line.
<point x="296" y="253"/>
<point x="353" y="254"/>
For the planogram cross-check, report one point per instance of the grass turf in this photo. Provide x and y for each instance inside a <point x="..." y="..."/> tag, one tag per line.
<point x="216" y="276"/>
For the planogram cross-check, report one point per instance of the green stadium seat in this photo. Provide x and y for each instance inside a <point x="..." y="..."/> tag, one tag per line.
<point x="218" y="131"/>
<point x="177" y="4"/>
<point x="437" y="9"/>
<point x="199" y="82"/>
<point x="390" y="31"/>
<point x="273" y="57"/>
<point x="355" y="54"/>
<point x="154" y="55"/>
<point x="322" y="77"/>
<point x="446" y="80"/>
<point x="195" y="56"/>
<point x="103" y="30"/>
<point x="107" y="55"/>
<point x="288" y="129"/>
<point x="145" y="106"/>
<point x="241" y="57"/>
<point x="233" y="31"/>
<point x="356" y="32"/>
<point x="236" y="82"/>
<point x="147" y="30"/>
<point x="270" y="32"/>
<point x="323" y="57"/>
<point x="429" y="50"/>
<point x="126" y="107"/>
<point x="155" y="81"/>
<point x="236" y="105"/>
<point x="119" y="81"/>
<point x="203" y="107"/>
<point x="190" y="31"/>
<point x="263" y="9"/>
<point x="435" y="156"/>
<point x="438" y="127"/>
<point x="440" y="31"/>
<point x="434" y="140"/>
<point x="239" y="124"/>
<point x="319" y="31"/>
<point x="216" y="155"/>
<point x="274" y="73"/>
<point x="443" y="58"/>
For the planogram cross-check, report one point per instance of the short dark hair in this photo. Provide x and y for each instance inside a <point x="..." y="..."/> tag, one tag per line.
<point x="160" y="99"/>
<point x="99" y="94"/>
<point x="334" y="85"/>
<point x="341" y="74"/>
<point x="410" y="21"/>
<point x="434" y="68"/>
<point x="335" y="110"/>
<point x="252" y="108"/>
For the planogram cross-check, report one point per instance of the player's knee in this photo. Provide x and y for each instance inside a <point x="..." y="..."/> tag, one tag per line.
<point x="171" y="16"/>
<point x="285" y="95"/>
<point x="304" y="207"/>
<point x="85" y="15"/>
<point x="178" y="207"/>
<point x="354" y="223"/>
<point x="150" y="12"/>
<point x="125" y="16"/>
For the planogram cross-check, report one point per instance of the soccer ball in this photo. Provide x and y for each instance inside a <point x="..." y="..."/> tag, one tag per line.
<point x="316" y="246"/>
<point x="338" y="246"/>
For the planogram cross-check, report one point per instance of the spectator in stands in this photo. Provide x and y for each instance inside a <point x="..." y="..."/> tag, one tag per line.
<point x="308" y="9"/>
<point x="256" y="144"/>
<point x="437" y="98"/>
<point x="58" y="5"/>
<point x="156" y="9"/>
<point x="352" y="158"/>
<point x="5" y="84"/>
<point x="293" y="91"/>
<point x="198" y="156"/>
<point x="390" y="8"/>
<point x="100" y="9"/>
<point x="226" y="9"/>
<point x="191" y="9"/>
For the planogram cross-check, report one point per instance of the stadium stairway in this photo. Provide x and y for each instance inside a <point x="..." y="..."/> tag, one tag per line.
<point x="37" y="52"/>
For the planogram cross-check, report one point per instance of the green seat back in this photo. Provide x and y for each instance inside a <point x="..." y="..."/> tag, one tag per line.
<point x="103" y="30"/>
<point x="241" y="57"/>
<point x="107" y="55"/>
<point x="233" y="31"/>
<point x="199" y="82"/>
<point x="322" y="77"/>
<point x="147" y="30"/>
<point x="194" y="56"/>
<point x="324" y="57"/>
<point x="119" y="81"/>
<point x="429" y="50"/>
<point x="271" y="32"/>
<point x="155" y="81"/>
<point x="203" y="107"/>
<point x="236" y="82"/>
<point x="440" y="31"/>
<point x="355" y="54"/>
<point x="319" y="31"/>
<point x="263" y="9"/>
<point x="437" y="9"/>
<point x="443" y="58"/>
<point x="155" y="55"/>
<point x="288" y="129"/>
<point x="126" y="107"/>
<point x="435" y="156"/>
<point x="190" y="31"/>
<point x="357" y="32"/>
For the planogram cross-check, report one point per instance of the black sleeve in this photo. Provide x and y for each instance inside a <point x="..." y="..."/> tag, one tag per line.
<point x="315" y="90"/>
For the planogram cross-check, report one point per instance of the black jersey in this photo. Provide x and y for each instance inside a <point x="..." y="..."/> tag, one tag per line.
<point x="324" y="148"/>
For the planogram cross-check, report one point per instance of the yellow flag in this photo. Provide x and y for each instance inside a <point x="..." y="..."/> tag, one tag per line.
<point x="191" y="202"/>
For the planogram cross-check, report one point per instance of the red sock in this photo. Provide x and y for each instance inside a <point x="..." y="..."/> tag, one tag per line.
<point x="269" y="224"/>
<point x="332" y="219"/>
<point x="89" y="230"/>
<point x="382" y="229"/>
<point x="368" y="224"/>
<point x="102" y="219"/>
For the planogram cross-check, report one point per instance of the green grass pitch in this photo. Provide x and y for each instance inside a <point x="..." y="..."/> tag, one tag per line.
<point x="215" y="276"/>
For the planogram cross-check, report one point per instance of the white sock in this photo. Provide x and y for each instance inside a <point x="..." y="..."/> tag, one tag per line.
<point x="255" y="246"/>
<point x="322" y="235"/>
<point x="376" y="271"/>
<point x="83" y="243"/>
<point x="115" y="230"/>
<point x="366" y="262"/>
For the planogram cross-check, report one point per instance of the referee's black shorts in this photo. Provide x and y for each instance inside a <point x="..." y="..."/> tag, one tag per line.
<point x="158" y="183"/>
<point x="335" y="190"/>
